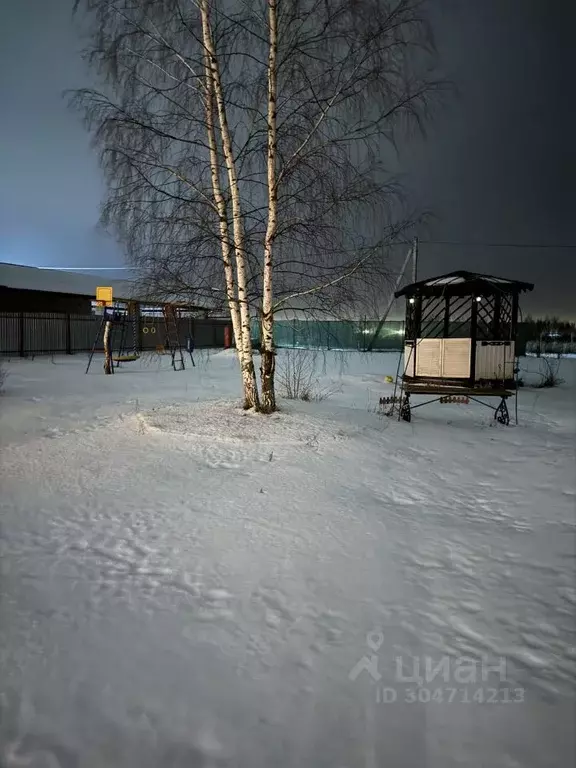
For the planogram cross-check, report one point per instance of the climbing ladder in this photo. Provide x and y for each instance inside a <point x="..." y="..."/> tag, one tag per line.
<point x="173" y="342"/>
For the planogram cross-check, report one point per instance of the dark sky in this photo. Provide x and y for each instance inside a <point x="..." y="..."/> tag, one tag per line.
<point x="495" y="167"/>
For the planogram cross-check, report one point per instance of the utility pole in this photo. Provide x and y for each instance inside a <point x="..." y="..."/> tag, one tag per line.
<point x="415" y="260"/>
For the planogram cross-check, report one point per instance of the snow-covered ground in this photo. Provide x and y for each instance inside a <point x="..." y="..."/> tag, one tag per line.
<point x="186" y="585"/>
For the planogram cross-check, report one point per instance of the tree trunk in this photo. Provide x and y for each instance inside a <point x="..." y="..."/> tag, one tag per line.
<point x="220" y="202"/>
<point x="267" y="346"/>
<point x="107" y="351"/>
<point x="246" y="356"/>
<point x="267" y="371"/>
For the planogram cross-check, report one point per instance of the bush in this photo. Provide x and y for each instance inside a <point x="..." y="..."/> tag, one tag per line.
<point x="296" y="373"/>
<point x="549" y="369"/>
<point x="297" y="378"/>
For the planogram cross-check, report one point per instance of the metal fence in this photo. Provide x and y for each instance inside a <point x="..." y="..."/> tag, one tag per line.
<point x="350" y="335"/>
<point x="27" y="334"/>
<point x="558" y="348"/>
<point x="336" y="334"/>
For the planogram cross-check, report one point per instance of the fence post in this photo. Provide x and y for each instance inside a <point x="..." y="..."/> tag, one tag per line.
<point x="138" y="326"/>
<point x="68" y="335"/>
<point x="22" y="342"/>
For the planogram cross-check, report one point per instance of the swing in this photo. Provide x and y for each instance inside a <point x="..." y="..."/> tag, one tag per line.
<point x="123" y="357"/>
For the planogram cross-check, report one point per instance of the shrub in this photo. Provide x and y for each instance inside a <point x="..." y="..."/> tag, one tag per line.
<point x="296" y="373"/>
<point x="549" y="368"/>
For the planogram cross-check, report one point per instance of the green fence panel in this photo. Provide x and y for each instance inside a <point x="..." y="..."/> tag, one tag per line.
<point x="348" y="335"/>
<point x="335" y="334"/>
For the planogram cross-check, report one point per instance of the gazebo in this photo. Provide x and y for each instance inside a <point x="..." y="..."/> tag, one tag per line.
<point x="460" y="339"/>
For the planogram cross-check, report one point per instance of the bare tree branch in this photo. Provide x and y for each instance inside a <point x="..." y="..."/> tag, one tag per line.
<point x="249" y="148"/>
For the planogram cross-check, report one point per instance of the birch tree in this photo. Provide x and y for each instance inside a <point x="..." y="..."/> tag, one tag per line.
<point x="247" y="148"/>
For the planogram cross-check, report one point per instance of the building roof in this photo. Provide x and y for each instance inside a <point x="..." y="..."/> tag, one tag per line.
<point x="23" y="278"/>
<point x="461" y="283"/>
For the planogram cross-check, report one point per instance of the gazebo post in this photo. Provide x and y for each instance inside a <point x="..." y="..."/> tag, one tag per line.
<point x="474" y="339"/>
<point x="446" y="317"/>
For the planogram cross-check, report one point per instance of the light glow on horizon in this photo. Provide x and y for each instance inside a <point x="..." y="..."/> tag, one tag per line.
<point x="87" y="269"/>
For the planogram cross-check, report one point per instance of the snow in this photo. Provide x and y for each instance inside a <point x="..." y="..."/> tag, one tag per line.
<point x="59" y="281"/>
<point x="454" y="279"/>
<point x="445" y="280"/>
<point x="187" y="584"/>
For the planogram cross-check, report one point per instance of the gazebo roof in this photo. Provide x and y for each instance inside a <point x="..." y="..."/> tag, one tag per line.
<point x="462" y="283"/>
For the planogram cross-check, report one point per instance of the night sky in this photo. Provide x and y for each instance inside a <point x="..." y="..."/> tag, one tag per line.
<point x="494" y="168"/>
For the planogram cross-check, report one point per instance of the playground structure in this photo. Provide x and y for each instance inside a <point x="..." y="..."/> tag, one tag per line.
<point x="122" y="324"/>
<point x="460" y="342"/>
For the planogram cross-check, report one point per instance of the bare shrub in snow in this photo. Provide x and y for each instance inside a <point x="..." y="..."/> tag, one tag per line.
<point x="297" y="373"/>
<point x="549" y="369"/>
<point x="298" y="378"/>
<point x="323" y="392"/>
<point x="3" y="375"/>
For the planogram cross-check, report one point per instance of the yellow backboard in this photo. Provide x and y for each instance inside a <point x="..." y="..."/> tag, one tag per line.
<point x="104" y="294"/>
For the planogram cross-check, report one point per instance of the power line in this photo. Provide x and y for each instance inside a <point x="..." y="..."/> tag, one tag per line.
<point x="499" y="245"/>
<point x="469" y="243"/>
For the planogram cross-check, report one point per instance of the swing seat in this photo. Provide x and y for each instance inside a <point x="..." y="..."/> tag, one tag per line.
<point x="124" y="358"/>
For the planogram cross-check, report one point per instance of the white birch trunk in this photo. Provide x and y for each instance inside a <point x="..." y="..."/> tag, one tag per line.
<point x="251" y="398"/>
<point x="108" y="362"/>
<point x="222" y="216"/>
<point x="267" y="349"/>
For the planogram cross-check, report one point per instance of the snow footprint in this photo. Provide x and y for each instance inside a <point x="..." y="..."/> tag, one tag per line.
<point x="214" y="605"/>
<point x="221" y="457"/>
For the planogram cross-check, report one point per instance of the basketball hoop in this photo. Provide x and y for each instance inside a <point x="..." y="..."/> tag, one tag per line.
<point x="104" y="296"/>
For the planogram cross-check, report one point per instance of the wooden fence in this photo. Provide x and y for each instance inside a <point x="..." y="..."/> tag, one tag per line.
<point x="26" y="334"/>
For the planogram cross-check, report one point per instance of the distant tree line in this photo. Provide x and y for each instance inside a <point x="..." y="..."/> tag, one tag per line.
<point x="535" y="328"/>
